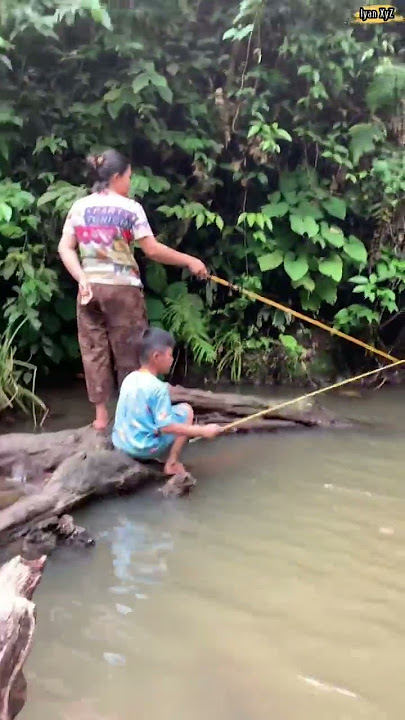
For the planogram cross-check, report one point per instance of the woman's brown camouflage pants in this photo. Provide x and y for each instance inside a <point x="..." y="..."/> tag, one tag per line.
<point x="109" y="329"/>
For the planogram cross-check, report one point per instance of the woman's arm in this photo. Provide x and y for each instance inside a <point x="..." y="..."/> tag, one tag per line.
<point x="161" y="253"/>
<point x="68" y="254"/>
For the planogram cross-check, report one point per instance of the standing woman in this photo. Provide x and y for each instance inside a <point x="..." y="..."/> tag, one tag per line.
<point x="111" y="313"/>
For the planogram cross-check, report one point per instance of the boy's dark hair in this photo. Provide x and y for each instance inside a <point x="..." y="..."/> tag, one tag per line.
<point x="154" y="339"/>
<point x="104" y="166"/>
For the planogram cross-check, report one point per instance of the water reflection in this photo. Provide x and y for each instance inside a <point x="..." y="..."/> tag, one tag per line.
<point x="139" y="557"/>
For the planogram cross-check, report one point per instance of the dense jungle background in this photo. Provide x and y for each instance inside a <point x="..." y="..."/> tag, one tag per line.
<point x="268" y="140"/>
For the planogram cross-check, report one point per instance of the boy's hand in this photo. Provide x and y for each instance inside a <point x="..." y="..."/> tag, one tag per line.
<point x="210" y="431"/>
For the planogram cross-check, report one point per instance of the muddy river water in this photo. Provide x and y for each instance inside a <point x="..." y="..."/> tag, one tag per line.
<point x="275" y="592"/>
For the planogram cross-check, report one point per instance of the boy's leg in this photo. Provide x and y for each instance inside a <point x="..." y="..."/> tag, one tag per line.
<point x="173" y="466"/>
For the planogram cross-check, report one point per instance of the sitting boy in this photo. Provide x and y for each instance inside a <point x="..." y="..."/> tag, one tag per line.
<point x="146" y="423"/>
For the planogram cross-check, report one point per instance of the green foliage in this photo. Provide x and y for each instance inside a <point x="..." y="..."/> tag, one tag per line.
<point x="171" y="306"/>
<point x="293" y="360"/>
<point x="380" y="290"/>
<point x="17" y="378"/>
<point x="31" y="283"/>
<point x="267" y="140"/>
<point x="184" y="316"/>
<point x="231" y="347"/>
<point x="387" y="88"/>
<point x="306" y="243"/>
<point x="61" y="195"/>
<point x="258" y="358"/>
<point x="363" y="139"/>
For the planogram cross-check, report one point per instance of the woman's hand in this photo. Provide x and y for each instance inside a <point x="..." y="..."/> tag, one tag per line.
<point x="85" y="291"/>
<point x="197" y="268"/>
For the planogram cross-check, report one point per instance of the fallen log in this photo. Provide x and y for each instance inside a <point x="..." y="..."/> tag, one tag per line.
<point x="18" y="580"/>
<point x="34" y="519"/>
<point x="226" y="407"/>
<point x="43" y="477"/>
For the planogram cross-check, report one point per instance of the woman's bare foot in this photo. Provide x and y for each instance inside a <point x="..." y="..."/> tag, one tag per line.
<point x="173" y="467"/>
<point x="102" y="420"/>
<point x="99" y="426"/>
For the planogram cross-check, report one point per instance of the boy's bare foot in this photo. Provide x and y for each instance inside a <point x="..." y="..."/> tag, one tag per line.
<point x="173" y="467"/>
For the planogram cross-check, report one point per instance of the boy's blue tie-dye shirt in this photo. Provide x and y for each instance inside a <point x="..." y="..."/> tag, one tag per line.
<point x="144" y="407"/>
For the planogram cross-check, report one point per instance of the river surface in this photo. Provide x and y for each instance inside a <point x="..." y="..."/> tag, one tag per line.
<point x="276" y="591"/>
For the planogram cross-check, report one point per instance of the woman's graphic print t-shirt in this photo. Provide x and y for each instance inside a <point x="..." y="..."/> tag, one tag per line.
<point x="106" y="226"/>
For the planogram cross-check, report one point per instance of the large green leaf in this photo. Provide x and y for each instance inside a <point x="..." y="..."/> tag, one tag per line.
<point x="359" y="280"/>
<point x="326" y="288"/>
<point x="154" y="308"/>
<point x="311" y="209"/>
<point x="304" y="225"/>
<point x="332" y="267"/>
<point x="289" y="342"/>
<point x="270" y="261"/>
<point x="333" y="235"/>
<point x="158" y="80"/>
<point x="283" y="241"/>
<point x="110" y="96"/>
<point x="336" y="207"/>
<point x="363" y="139"/>
<point x="176" y="290"/>
<point x="8" y="117"/>
<point x="309" y="301"/>
<point x="306" y="282"/>
<point x="156" y="277"/>
<point x="288" y="182"/>
<point x="275" y="209"/>
<point x="355" y="249"/>
<point x="140" y="82"/>
<point x="295" y="267"/>
<point x="11" y="230"/>
<point x="5" y="212"/>
<point x="165" y="93"/>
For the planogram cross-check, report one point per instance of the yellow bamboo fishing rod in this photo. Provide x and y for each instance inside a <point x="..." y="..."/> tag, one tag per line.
<point x="286" y="403"/>
<point x="301" y="316"/>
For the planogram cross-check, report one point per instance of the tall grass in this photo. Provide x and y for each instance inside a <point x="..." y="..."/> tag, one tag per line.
<point x="18" y="379"/>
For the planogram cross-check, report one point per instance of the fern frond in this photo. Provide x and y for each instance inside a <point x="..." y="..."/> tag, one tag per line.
<point x="387" y="87"/>
<point x="183" y="316"/>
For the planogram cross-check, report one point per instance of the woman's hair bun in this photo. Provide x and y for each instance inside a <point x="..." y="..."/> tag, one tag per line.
<point x="104" y="166"/>
<point x="95" y="161"/>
